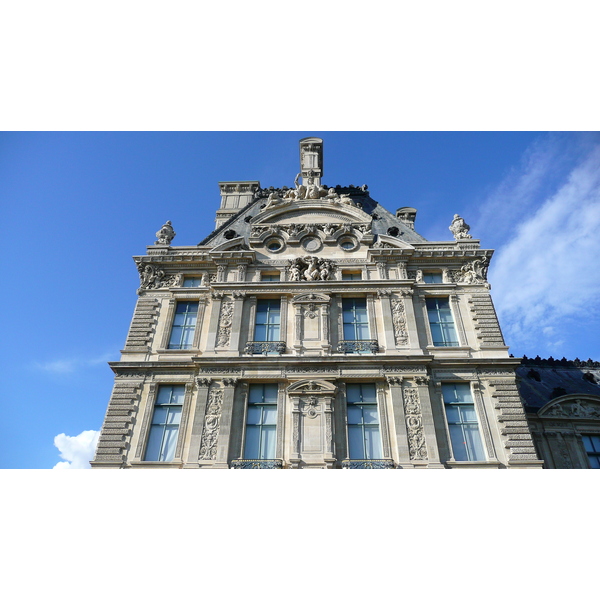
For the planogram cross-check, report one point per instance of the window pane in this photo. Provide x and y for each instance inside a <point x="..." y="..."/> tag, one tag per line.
<point x="355" y="442"/>
<point x="370" y="414"/>
<point x="270" y="392"/>
<point x="459" y="448"/>
<point x="169" y="443"/>
<point x="269" y="415"/>
<point x="254" y="415"/>
<point x="468" y="414"/>
<point x="368" y="392"/>
<point x="473" y="440"/>
<point x="174" y="415"/>
<point x="353" y="392"/>
<point x="373" y="442"/>
<point x="354" y="414"/>
<point x="587" y="442"/>
<point x="252" y="442"/>
<point x="268" y="443"/>
<point x="260" y="333"/>
<point x="256" y="393"/>
<point x="594" y="462"/>
<point x="154" y="443"/>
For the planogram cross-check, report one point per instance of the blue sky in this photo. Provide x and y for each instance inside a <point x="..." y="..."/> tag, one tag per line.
<point x="76" y="206"/>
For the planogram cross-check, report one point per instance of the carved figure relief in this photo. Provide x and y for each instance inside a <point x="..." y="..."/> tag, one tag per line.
<point x="414" y="424"/>
<point x="152" y="278"/>
<point x="165" y="234"/>
<point x="212" y="421"/>
<point x="225" y="322"/>
<point x="575" y="409"/>
<point x="459" y="228"/>
<point x="310" y="268"/>
<point x="474" y="271"/>
<point x="399" y="322"/>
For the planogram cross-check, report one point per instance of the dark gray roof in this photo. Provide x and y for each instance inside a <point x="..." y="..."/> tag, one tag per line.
<point x="542" y="380"/>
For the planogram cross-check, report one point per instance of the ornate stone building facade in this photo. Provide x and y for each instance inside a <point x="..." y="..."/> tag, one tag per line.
<point x="314" y="329"/>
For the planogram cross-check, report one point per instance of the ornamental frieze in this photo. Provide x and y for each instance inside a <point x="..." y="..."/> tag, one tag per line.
<point x="414" y="424"/>
<point x="212" y="421"/>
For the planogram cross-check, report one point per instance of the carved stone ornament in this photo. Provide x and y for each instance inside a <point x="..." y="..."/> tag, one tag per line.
<point x="459" y="228"/>
<point x="399" y="322"/>
<point x="152" y="278"/>
<point x="579" y="409"/>
<point x="225" y="323"/>
<point x="414" y="424"/>
<point x="310" y="268"/>
<point x="474" y="271"/>
<point x="165" y="234"/>
<point x="212" y="421"/>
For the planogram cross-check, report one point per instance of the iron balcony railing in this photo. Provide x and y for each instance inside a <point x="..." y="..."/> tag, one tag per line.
<point x="265" y="348"/>
<point x="370" y="463"/>
<point x="358" y="346"/>
<point x="251" y="463"/>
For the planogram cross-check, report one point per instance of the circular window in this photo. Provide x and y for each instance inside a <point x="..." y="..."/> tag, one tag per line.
<point x="312" y="244"/>
<point x="393" y="231"/>
<point x="274" y="245"/>
<point x="230" y="234"/>
<point x="348" y="244"/>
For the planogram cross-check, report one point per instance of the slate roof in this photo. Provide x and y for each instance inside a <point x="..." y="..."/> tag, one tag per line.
<point x="541" y="380"/>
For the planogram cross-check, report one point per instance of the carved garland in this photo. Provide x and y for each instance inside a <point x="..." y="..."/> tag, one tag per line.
<point x="212" y="421"/>
<point x="414" y="424"/>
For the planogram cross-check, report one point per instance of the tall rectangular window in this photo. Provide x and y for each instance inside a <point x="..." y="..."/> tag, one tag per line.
<point x="261" y="422"/>
<point x="462" y="422"/>
<point x="165" y="423"/>
<point x="591" y="444"/>
<point x="356" y="322"/>
<point x="364" y="439"/>
<point x="268" y="320"/>
<point x="441" y="322"/>
<point x="184" y="325"/>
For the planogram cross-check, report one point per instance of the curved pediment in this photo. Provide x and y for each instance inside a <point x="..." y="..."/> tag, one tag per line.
<point x="309" y="386"/>
<point x="319" y="211"/>
<point x="573" y="406"/>
<point x="310" y="298"/>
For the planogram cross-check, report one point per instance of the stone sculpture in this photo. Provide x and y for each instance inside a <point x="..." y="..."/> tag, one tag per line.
<point x="459" y="229"/>
<point x="165" y="234"/>
<point x="310" y="268"/>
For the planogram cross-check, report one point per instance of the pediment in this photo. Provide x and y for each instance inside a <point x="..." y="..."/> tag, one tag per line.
<point x="309" y="386"/>
<point x="573" y="406"/>
<point x="310" y="298"/>
<point x="319" y="211"/>
<point x="237" y="244"/>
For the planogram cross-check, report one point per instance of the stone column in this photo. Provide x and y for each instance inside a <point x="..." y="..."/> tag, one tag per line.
<point x="213" y="326"/>
<point x="221" y="459"/>
<point x="372" y="317"/>
<point x="202" y="385"/>
<point x="402" y="454"/>
<point x="168" y="324"/>
<point x="284" y="320"/>
<point x="460" y="328"/>
<point x="383" y="420"/>
<point x="386" y="311"/>
<point x="428" y="423"/>
<point x="236" y="325"/>
<point x="325" y="328"/>
<point x="199" y="323"/>
<point x="382" y="270"/>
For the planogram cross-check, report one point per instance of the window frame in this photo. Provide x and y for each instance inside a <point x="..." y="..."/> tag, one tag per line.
<point x="441" y="343"/>
<point x="269" y="327"/>
<point x="162" y="428"/>
<point x="186" y="330"/>
<point x="262" y="427"/>
<point x="595" y="452"/>
<point x="463" y="425"/>
<point x="362" y="426"/>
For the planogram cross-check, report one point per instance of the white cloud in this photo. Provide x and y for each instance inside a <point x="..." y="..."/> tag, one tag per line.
<point x="547" y="273"/>
<point x="76" y="451"/>
<point x="69" y="365"/>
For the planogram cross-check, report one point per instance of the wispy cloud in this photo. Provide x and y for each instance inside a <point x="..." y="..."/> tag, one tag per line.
<point x="77" y="451"/>
<point x="70" y="365"/>
<point x="546" y="274"/>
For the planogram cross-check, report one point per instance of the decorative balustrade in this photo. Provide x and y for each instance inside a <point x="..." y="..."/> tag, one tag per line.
<point x="358" y="347"/>
<point x="264" y="348"/>
<point x="371" y="463"/>
<point x="251" y="463"/>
